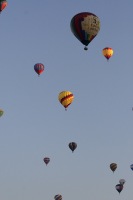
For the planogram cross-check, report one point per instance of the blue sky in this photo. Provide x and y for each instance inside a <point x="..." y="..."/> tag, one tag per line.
<point x="35" y="124"/>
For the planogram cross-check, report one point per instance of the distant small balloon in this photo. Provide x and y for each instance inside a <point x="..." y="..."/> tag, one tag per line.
<point x="72" y="146"/>
<point x="1" y="112"/>
<point x="39" y="68"/>
<point x="58" y="197"/>
<point x="119" y="187"/>
<point x="122" y="181"/>
<point x="107" y="52"/>
<point x="113" y="166"/>
<point x="46" y="160"/>
<point x="65" y="98"/>
<point x="131" y="166"/>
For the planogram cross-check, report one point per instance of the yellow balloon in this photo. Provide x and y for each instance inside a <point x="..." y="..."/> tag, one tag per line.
<point x="66" y="98"/>
<point x="107" y="52"/>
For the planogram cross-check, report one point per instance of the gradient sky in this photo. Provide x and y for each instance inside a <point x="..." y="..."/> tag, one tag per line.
<point x="35" y="124"/>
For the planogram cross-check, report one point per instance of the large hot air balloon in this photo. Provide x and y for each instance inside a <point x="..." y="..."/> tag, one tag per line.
<point x="39" y="68"/>
<point x="72" y="146"/>
<point x="119" y="187"/>
<point x="58" y="197"/>
<point x="1" y="112"/>
<point x="113" y="166"/>
<point x="107" y="52"/>
<point x="131" y="166"/>
<point x="3" y="5"/>
<point x="46" y="160"/>
<point x="122" y="181"/>
<point x="65" y="98"/>
<point x="85" y="26"/>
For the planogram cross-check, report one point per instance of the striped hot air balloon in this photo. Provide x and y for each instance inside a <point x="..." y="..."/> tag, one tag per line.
<point x="107" y="52"/>
<point x="113" y="166"/>
<point x="46" y="160"/>
<point x="39" y="68"/>
<point x="66" y="98"/>
<point x="58" y="197"/>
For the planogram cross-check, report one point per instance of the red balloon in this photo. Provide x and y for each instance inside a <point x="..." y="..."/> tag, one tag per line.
<point x="3" y="5"/>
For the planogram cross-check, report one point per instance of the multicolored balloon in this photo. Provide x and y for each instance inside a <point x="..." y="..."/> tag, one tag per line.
<point x="72" y="146"/>
<point x="46" y="160"/>
<point x="85" y="26"/>
<point x="65" y="98"/>
<point x="39" y="68"/>
<point x="58" y="197"/>
<point x="3" y="5"/>
<point x="119" y="187"/>
<point x="113" y="166"/>
<point x="122" y="181"/>
<point x="1" y="112"/>
<point x="107" y="52"/>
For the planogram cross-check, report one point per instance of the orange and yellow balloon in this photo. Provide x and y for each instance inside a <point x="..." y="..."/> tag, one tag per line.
<point x="108" y="52"/>
<point x="66" y="98"/>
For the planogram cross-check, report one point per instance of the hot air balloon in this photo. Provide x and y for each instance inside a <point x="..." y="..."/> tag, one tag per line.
<point x="72" y="146"/>
<point x="122" y="181"/>
<point x="107" y="52"/>
<point x="3" y="5"/>
<point x="131" y="166"/>
<point x="46" y="160"/>
<point x="39" y="68"/>
<point x="65" y="98"/>
<point x="113" y="166"/>
<point x="58" y="197"/>
<point x="119" y="187"/>
<point x="85" y="26"/>
<point x="1" y="112"/>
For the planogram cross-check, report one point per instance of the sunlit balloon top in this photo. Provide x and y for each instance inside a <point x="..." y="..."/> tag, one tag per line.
<point x="85" y="26"/>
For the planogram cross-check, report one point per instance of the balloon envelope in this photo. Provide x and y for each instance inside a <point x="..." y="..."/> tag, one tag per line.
<point x="131" y="166"/>
<point x="1" y="112"/>
<point x="113" y="166"/>
<point x="39" y="68"/>
<point x="107" y="52"/>
<point x="85" y="26"/>
<point x="122" y="181"/>
<point x="46" y="160"/>
<point x="3" y="5"/>
<point x="58" y="197"/>
<point x="119" y="187"/>
<point x="72" y="146"/>
<point x="65" y="98"/>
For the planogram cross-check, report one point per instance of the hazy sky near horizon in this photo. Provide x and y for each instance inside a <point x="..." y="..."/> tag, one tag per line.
<point x="35" y="124"/>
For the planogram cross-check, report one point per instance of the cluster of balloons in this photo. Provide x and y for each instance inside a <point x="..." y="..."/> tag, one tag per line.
<point x="119" y="187"/>
<point x="72" y="146"/>
<point x="85" y="27"/>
